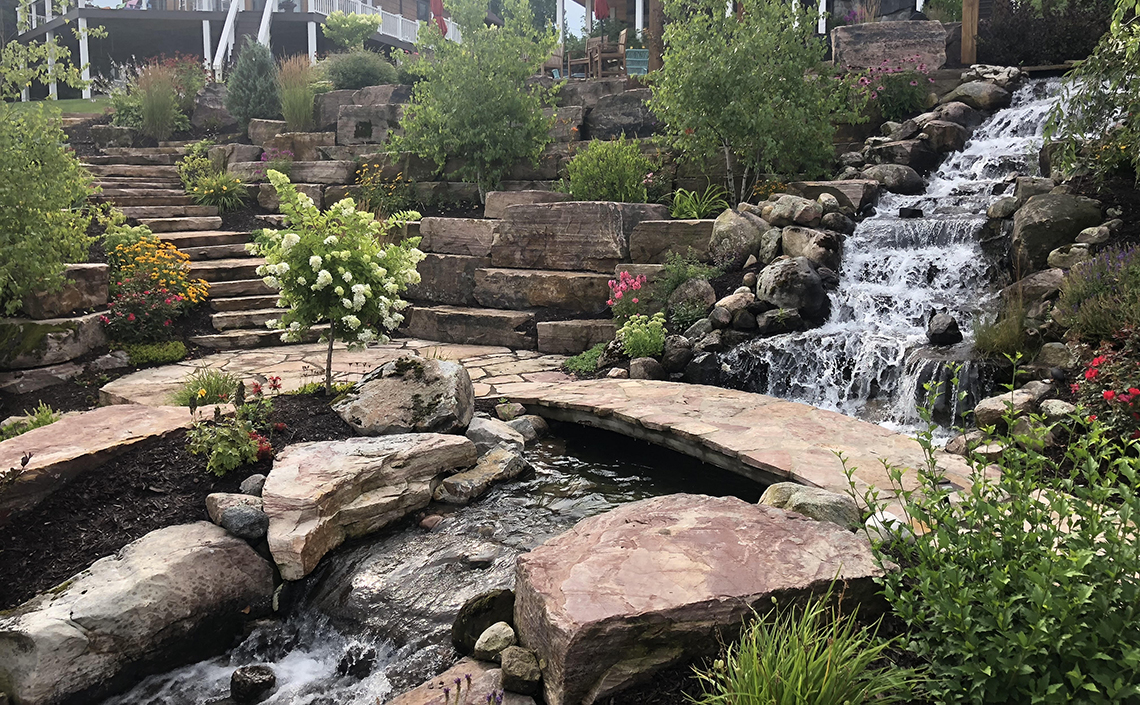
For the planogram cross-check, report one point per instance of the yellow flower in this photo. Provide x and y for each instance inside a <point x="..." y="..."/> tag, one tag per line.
<point x="201" y="392"/>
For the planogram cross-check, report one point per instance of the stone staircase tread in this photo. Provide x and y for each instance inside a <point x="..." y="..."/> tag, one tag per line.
<point x="128" y="201"/>
<point x="167" y="225"/>
<point x="243" y="303"/>
<point x="239" y="288"/>
<point x="244" y="320"/>
<point x="474" y="326"/>
<point x="146" y="171"/>
<point x="247" y="338"/>
<point x="133" y="151"/>
<point x="133" y="159"/>
<point x="169" y="211"/>
<point x="202" y="253"/>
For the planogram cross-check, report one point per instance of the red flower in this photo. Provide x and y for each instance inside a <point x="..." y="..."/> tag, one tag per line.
<point x="1074" y="388"/>
<point x="1124" y="398"/>
<point x="1091" y="373"/>
<point x="255" y="388"/>
<point x="130" y="316"/>
<point x="1092" y="417"/>
<point x="1109" y="395"/>
<point x="275" y="383"/>
<point x="1134" y="391"/>
<point x="279" y="427"/>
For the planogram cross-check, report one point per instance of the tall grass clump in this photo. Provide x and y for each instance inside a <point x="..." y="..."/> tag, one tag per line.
<point x="1102" y="295"/>
<point x="1003" y="334"/>
<point x="158" y="101"/>
<point x="295" y="77"/>
<point x="206" y="386"/>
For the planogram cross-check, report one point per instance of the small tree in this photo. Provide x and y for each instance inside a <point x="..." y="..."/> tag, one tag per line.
<point x="350" y="31"/>
<point x="748" y="88"/>
<point x="251" y="91"/>
<point x="473" y="101"/>
<point x="334" y="267"/>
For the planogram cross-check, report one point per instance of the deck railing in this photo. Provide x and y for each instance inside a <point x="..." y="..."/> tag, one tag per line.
<point x="391" y="25"/>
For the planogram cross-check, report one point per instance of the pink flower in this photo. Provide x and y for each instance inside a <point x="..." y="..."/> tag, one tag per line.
<point x="874" y="95"/>
<point x="617" y="295"/>
<point x="131" y="317"/>
<point x="635" y="301"/>
<point x="914" y="83"/>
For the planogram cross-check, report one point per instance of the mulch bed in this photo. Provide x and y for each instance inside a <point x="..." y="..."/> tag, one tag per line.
<point x="1121" y="193"/>
<point x="153" y="485"/>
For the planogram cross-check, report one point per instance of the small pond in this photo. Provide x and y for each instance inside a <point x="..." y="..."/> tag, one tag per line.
<point x="375" y="617"/>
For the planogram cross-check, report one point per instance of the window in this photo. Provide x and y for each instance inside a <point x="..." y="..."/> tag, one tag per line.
<point x="423" y="10"/>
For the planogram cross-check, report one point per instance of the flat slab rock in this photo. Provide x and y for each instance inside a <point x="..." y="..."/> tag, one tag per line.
<point x="75" y="444"/>
<point x="486" y="678"/>
<point x="318" y="494"/>
<point x="176" y="595"/>
<point x="630" y="592"/>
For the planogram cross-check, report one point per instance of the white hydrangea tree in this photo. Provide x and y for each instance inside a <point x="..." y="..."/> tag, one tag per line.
<point x="336" y="267"/>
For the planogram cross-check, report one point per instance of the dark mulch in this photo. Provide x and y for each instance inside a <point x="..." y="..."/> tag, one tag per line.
<point x="1121" y="193"/>
<point x="450" y="210"/>
<point x="244" y="219"/>
<point x="667" y="688"/>
<point x="151" y="486"/>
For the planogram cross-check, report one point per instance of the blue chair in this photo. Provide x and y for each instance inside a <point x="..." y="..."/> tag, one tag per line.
<point x="636" y="62"/>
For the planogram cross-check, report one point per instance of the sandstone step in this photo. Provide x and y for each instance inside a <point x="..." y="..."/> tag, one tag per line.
<point x="208" y="252"/>
<point x="169" y="225"/>
<point x="583" y="293"/>
<point x="139" y="159"/>
<point x="235" y="320"/>
<point x="169" y="211"/>
<point x="226" y="269"/>
<point x="137" y="170"/>
<point x="124" y="200"/>
<point x="138" y="184"/>
<point x="136" y="151"/>
<point x="474" y="326"/>
<point x="573" y="337"/>
<point x="242" y="303"/>
<point x="204" y="238"/>
<point x="239" y="288"/>
<point x="235" y="339"/>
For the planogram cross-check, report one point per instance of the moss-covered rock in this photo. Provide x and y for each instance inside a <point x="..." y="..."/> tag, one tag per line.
<point x="26" y="343"/>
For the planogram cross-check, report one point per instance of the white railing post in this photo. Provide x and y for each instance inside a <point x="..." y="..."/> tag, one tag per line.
<point x="53" y="89"/>
<point x="84" y="57"/>
<point x="266" y="21"/>
<point x="207" y="49"/>
<point x="823" y="16"/>
<point x="225" y="42"/>
<point x="918" y="5"/>
<point x="312" y="27"/>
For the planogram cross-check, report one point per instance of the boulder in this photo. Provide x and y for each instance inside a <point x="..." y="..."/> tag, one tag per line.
<point x="992" y="411"/>
<point x="174" y="596"/>
<point x="245" y="522"/>
<point x="323" y="172"/>
<point x="104" y="136"/>
<point x="896" y="178"/>
<point x="1055" y="355"/>
<point x="578" y="293"/>
<point x="943" y="330"/>
<point x="568" y="121"/>
<point x="653" y="241"/>
<point x="917" y="154"/>
<point x="498" y="201"/>
<point x="837" y="222"/>
<point x="698" y="329"/>
<point x="793" y="283"/>
<point x="384" y="94"/>
<point x="573" y="337"/>
<point x="488" y="434"/>
<point x="853" y="194"/>
<point x="327" y="107"/>
<point x="1048" y="221"/>
<point x="26" y="343"/>
<point x="625" y="113"/>
<point x="485" y="678"/>
<point x="1003" y="208"/>
<point x="693" y="292"/>
<point x="222" y="155"/>
<point x="1039" y="286"/>
<point x="321" y="493"/>
<point x="218" y="502"/>
<point x="479" y="613"/>
<point x="509" y="411"/>
<point x="678" y="352"/>
<point x="261" y="131"/>
<point x="771" y="245"/>
<point x="251" y="684"/>
<point x="778" y="321"/>
<point x="1094" y="236"/>
<point x="496" y="465"/>
<point x="958" y="113"/>
<point x="651" y="584"/>
<point x="1068" y="256"/>
<point x="363" y="124"/>
<point x="979" y="95"/>
<point x="1056" y="410"/>
<point x="703" y="368"/>
<point x="820" y="246"/>
<point x="945" y="136"/>
<point x="871" y="44"/>
<point x="33" y="380"/>
<point x="457" y="236"/>
<point x="530" y="426"/>
<point x="735" y="237"/>
<point x="252" y="485"/>
<point x="1006" y="77"/>
<point x="493" y="640"/>
<point x="792" y="210"/>
<point x="85" y="287"/>
<point x="587" y="93"/>
<point x="814" y="503"/>
<point x="736" y="301"/>
<point x="646" y="368"/>
<point x="521" y="673"/>
<point x="1026" y="187"/>
<point x="210" y="111"/>
<point x="830" y="204"/>
<point x="410" y="395"/>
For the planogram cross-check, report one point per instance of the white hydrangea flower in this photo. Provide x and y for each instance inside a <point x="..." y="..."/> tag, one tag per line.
<point x="271" y="323"/>
<point x="357" y="302"/>
<point x="282" y="268"/>
<point x="282" y="303"/>
<point x="366" y="336"/>
<point x="323" y="280"/>
<point x="271" y="282"/>
<point x="289" y="240"/>
<point x="251" y="248"/>
<point x="306" y="200"/>
<point x="294" y="326"/>
<point x="366" y="257"/>
<point x="315" y="262"/>
<point x="262" y="270"/>
<point x="346" y="276"/>
<point x="351" y="321"/>
<point x="346" y="303"/>
<point x="302" y="281"/>
<point x="339" y="291"/>
<point x="331" y="240"/>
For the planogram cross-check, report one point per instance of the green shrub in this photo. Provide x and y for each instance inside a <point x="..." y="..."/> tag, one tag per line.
<point x="1102" y="295"/>
<point x="43" y="194"/>
<point x="196" y="165"/>
<point x="898" y="91"/>
<point x="943" y="10"/>
<point x="1024" y="588"/>
<point x="686" y="313"/>
<point x="42" y="415"/>
<point x="1003" y="335"/>
<point x="585" y="363"/>
<point x="806" y="655"/>
<point x="643" y="336"/>
<point x="609" y="171"/>
<point x="126" y="106"/>
<point x="357" y="69"/>
<point x="349" y="31"/>
<point x="680" y="269"/>
<point x="223" y="190"/>
<point x="688" y="205"/>
<point x="382" y="195"/>
<point x="158" y="102"/>
<point x="251" y="90"/>
<point x="295" y="78"/>
<point x="228" y="443"/>
<point x="206" y="386"/>
<point x="142" y="354"/>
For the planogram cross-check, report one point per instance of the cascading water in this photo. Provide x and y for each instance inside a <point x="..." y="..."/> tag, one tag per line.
<point x="871" y="359"/>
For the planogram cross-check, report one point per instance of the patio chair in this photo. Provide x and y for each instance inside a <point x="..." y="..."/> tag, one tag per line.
<point x="607" y="59"/>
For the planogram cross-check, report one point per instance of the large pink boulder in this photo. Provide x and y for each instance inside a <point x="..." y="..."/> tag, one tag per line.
<point x="651" y="584"/>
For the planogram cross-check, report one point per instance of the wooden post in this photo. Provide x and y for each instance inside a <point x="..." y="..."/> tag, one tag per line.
<point x="969" y="32"/>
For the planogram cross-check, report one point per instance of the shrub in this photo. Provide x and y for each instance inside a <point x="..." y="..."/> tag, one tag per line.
<point x="333" y="267"/>
<point x="158" y="102"/>
<point x="350" y="31"/>
<point x="42" y="415"/>
<point x="196" y="165"/>
<point x="142" y="311"/>
<point x="222" y="190"/>
<point x="943" y="10"/>
<point x="406" y="71"/>
<point x="686" y="313"/>
<point x="251" y="91"/>
<point x="1109" y="389"/>
<point x="810" y="654"/>
<point x="899" y="88"/>
<point x="685" y="205"/>
<point x="643" y="336"/>
<point x="189" y="78"/>
<point x="43" y="192"/>
<point x="1036" y="33"/>
<point x="1101" y="296"/>
<point x="142" y="354"/>
<point x="1023" y="588"/>
<point x="295" y="78"/>
<point x="118" y="239"/>
<point x="680" y="269"/>
<point x="158" y="264"/>
<point x="585" y="363"/>
<point x="625" y="295"/>
<point x="609" y="171"/>
<point x="1003" y="335"/>
<point x="205" y="386"/>
<point x="359" y="68"/>
<point x="382" y="195"/>
<point x="309" y="388"/>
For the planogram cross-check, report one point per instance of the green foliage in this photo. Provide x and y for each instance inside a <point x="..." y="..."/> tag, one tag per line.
<point x="309" y="388"/>
<point x="811" y="654"/>
<point x="350" y="31"/>
<point x="158" y="102"/>
<point x="473" y="101"/>
<point x="229" y="443"/>
<point x="689" y="205"/>
<point x="43" y="192"/>
<point x="143" y="354"/>
<point x="117" y="236"/>
<point x="610" y="171"/>
<point x="686" y="313"/>
<point x="751" y="89"/>
<point x="585" y="363"/>
<point x="943" y="10"/>
<point x="334" y="267"/>
<point x="1102" y="295"/>
<point x="205" y="386"/>
<point x="42" y="415"/>
<point x="1003" y="334"/>
<point x="251" y="90"/>
<point x="383" y="195"/>
<point x="21" y="65"/>
<point x="898" y="89"/>
<point x="680" y="269"/>
<point x="196" y="165"/>
<point x="295" y="78"/>
<point x="222" y="190"/>
<point x="643" y="336"/>
<point x="357" y="69"/>
<point x="1023" y="588"/>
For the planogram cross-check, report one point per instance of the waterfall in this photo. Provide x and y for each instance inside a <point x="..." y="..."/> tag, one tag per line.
<point x="871" y="359"/>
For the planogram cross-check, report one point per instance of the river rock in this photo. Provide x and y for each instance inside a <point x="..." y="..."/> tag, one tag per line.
<point x="1056" y="410"/>
<point x="479" y="613"/>
<point x="780" y="320"/>
<point x="1055" y="355"/>
<point x="917" y="154"/>
<point x="649" y="585"/>
<point x="736" y="301"/>
<point x="410" y="395"/>
<point x="814" y="503"/>
<point x="1068" y="256"/>
<point x="174" y="596"/>
<point x="531" y="427"/>
<point x="896" y="178"/>
<point x="793" y="283"/>
<point x="992" y="411"/>
<point x="736" y="236"/>
<point x="251" y="684"/>
<point x="488" y="434"/>
<point x="521" y="673"/>
<point x="1048" y="221"/>
<point x="245" y="522"/>
<point x="509" y="411"/>
<point x="792" y="210"/>
<point x="646" y="368"/>
<point x="1039" y="286"/>
<point x="496" y="465"/>
<point x="678" y="352"/>
<point x="959" y="113"/>
<point x="1003" y="208"/>
<point x="1094" y="236"/>
<point x="493" y="640"/>
<point x="943" y="330"/>
<point x="720" y="318"/>
<point x="321" y="493"/>
<point x="945" y="136"/>
<point x="838" y="222"/>
<point x="820" y="246"/>
<point x="252" y="485"/>
<point x="693" y="292"/>
<point x="979" y="95"/>
<point x="699" y="329"/>
<point x="219" y="502"/>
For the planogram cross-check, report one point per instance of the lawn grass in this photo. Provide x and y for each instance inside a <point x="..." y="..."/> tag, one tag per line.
<point x="75" y="106"/>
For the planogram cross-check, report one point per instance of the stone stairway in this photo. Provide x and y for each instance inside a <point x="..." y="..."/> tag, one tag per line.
<point x="143" y="183"/>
